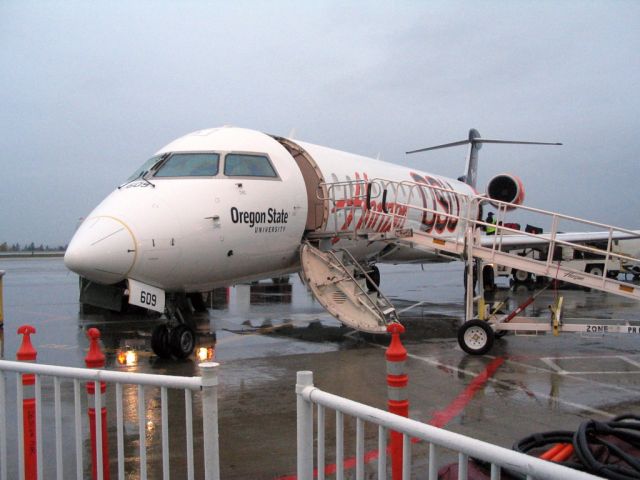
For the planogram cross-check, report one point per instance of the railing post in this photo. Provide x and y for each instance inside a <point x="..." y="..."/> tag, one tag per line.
<point x="398" y="400"/>
<point x="98" y="429"/>
<point x="1" y="303"/>
<point x="210" y="420"/>
<point x="469" y="292"/>
<point x="26" y="353"/>
<point x="305" y="427"/>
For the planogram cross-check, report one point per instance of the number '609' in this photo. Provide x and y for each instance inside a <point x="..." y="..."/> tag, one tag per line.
<point x="148" y="298"/>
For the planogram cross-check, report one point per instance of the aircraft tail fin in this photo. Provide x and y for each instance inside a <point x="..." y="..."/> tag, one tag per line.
<point x="475" y="142"/>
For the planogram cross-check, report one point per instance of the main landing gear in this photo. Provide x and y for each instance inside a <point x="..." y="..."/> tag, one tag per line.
<point x="175" y="338"/>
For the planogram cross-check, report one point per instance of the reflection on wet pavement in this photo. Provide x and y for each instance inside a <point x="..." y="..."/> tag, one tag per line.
<point x="263" y="333"/>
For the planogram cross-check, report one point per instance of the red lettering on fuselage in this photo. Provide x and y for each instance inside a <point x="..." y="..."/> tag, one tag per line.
<point x="436" y="200"/>
<point x="441" y="204"/>
<point x="371" y="218"/>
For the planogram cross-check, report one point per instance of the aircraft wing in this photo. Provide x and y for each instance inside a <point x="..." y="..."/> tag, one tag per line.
<point x="522" y="240"/>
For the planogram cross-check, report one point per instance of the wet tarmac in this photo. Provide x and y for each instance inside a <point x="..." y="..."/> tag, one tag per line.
<point x="262" y="335"/>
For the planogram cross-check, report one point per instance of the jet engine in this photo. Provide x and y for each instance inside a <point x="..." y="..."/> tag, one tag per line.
<point x="506" y="188"/>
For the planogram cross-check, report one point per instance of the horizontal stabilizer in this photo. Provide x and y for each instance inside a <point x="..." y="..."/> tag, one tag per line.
<point x="480" y="141"/>
<point x="475" y="141"/>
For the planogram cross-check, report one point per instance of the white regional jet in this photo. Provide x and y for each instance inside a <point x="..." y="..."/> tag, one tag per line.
<point x="228" y="205"/>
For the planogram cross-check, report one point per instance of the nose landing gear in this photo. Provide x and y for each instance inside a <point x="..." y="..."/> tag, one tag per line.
<point x="160" y="341"/>
<point x="178" y="341"/>
<point x="183" y="341"/>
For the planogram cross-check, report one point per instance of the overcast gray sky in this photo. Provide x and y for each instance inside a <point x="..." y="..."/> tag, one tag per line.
<point x="90" y="89"/>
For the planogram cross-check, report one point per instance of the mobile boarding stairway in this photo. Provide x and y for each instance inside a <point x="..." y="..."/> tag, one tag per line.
<point x="397" y="220"/>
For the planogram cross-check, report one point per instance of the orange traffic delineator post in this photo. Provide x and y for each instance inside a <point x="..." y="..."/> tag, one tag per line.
<point x="96" y="359"/>
<point x="26" y="353"/>
<point x="398" y="399"/>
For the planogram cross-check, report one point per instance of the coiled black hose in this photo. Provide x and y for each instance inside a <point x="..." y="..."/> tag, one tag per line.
<point x="539" y="441"/>
<point x="608" y="449"/>
<point x="620" y="462"/>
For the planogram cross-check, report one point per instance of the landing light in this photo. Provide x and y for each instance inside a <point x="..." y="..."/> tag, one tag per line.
<point x="205" y="353"/>
<point x="127" y="357"/>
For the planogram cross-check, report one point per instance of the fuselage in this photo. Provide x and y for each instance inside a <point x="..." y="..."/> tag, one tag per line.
<point x="226" y="205"/>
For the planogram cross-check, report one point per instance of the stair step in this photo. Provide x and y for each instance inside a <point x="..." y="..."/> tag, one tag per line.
<point x="338" y="282"/>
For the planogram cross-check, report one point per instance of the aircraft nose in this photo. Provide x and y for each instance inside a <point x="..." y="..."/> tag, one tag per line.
<point x="102" y="250"/>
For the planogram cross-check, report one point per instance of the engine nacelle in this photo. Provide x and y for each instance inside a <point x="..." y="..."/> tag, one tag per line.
<point x="506" y="188"/>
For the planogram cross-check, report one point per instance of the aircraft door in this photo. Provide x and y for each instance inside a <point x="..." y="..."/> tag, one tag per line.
<point x="318" y="210"/>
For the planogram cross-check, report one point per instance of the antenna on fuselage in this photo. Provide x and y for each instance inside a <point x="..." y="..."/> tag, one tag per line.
<point x="475" y="142"/>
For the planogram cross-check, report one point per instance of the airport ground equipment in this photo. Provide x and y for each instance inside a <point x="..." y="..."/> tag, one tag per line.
<point x="499" y="458"/>
<point x="568" y="257"/>
<point x="631" y="269"/>
<point x="346" y="290"/>
<point x="397" y="201"/>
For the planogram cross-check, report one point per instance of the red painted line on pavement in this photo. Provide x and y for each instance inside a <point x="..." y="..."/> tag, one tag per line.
<point x="442" y="417"/>
<point x="439" y="419"/>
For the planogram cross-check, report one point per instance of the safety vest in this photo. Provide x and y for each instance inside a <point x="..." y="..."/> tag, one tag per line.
<point x="491" y="228"/>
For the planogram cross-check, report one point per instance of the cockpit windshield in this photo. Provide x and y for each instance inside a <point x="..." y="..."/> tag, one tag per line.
<point x="189" y="165"/>
<point x="245" y="165"/>
<point x="203" y="164"/>
<point x="140" y="172"/>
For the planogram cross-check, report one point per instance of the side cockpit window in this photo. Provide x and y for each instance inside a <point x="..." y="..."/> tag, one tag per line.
<point x="244" y="165"/>
<point x="145" y="168"/>
<point x="189" y="165"/>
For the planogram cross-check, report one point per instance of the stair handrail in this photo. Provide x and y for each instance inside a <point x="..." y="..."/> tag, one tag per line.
<point x="371" y="283"/>
<point x="360" y="189"/>
<point x="551" y="237"/>
<point x="373" y="305"/>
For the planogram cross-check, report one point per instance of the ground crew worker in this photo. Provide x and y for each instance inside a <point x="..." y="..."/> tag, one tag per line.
<point x="491" y="228"/>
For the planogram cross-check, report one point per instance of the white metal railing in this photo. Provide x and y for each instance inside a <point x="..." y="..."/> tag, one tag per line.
<point x="408" y="204"/>
<point x="498" y="457"/>
<point x="206" y="384"/>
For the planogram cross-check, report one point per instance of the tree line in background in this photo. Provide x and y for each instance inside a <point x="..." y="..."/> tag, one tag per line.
<point x="31" y="247"/>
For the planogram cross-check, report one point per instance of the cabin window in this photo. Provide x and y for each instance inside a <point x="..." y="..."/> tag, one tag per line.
<point x="190" y="165"/>
<point x="242" y="165"/>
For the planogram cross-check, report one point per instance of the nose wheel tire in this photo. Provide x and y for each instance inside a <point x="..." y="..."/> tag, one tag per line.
<point x="160" y="341"/>
<point x="178" y="342"/>
<point x="476" y="337"/>
<point x="182" y="341"/>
